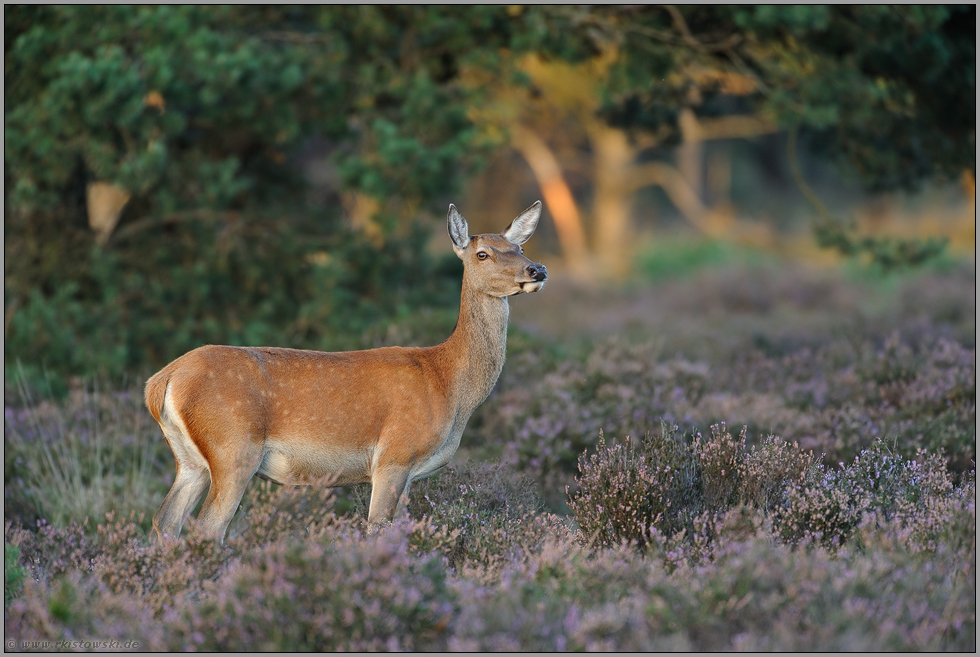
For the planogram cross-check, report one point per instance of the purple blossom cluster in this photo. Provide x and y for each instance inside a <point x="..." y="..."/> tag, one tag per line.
<point x="854" y="531"/>
<point x="906" y="581"/>
<point x="824" y="363"/>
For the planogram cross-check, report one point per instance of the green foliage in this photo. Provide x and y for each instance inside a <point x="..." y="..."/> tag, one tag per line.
<point x="887" y="253"/>
<point x="139" y="308"/>
<point x="192" y="108"/>
<point x="207" y="116"/>
<point x="681" y="258"/>
<point x="891" y="90"/>
<point x="14" y="574"/>
<point x="888" y="91"/>
<point x="200" y="114"/>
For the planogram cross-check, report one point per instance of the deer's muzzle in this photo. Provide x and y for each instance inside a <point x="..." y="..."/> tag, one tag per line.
<point x="537" y="272"/>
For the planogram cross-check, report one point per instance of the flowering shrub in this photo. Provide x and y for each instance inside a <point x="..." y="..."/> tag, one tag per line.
<point x="676" y="541"/>
<point x="621" y="388"/>
<point x="905" y="581"/>
<point x="831" y="388"/>
<point x="628" y="487"/>
<point x="829" y="504"/>
<point x="492" y="511"/>
<point x="638" y="493"/>
<point x="823" y="400"/>
<point x="51" y="551"/>
<point x="344" y="591"/>
<point x="768" y="469"/>
<point x="477" y="513"/>
<point x="719" y="463"/>
<point x="635" y="493"/>
<point x="270" y="511"/>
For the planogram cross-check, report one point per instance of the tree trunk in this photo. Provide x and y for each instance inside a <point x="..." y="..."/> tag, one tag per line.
<point x="611" y="206"/>
<point x="690" y="154"/>
<point x="557" y="196"/>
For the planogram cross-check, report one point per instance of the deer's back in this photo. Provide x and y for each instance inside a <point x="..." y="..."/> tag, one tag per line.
<point x="312" y="398"/>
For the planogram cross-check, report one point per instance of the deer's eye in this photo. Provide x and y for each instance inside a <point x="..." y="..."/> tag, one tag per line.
<point x="482" y="255"/>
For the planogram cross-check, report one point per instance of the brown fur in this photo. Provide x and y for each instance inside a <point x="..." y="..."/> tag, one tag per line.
<point x="156" y="386"/>
<point x="385" y="416"/>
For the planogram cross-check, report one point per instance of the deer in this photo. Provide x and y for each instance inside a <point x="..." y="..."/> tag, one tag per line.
<point x="386" y="416"/>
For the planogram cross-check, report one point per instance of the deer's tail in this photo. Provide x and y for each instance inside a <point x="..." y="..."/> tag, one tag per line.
<point x="156" y="390"/>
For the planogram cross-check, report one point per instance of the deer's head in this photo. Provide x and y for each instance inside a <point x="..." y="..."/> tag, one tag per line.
<point x="495" y="264"/>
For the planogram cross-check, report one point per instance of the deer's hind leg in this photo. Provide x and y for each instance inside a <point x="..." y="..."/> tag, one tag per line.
<point x="189" y="485"/>
<point x="192" y="479"/>
<point x="231" y="470"/>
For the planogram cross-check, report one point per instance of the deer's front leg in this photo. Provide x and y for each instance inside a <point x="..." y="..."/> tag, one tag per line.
<point x="389" y="493"/>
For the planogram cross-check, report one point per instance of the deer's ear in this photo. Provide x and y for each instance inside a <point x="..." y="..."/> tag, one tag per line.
<point x="521" y="229"/>
<point x="459" y="231"/>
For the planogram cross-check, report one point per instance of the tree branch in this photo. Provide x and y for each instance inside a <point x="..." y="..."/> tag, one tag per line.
<point x="672" y="182"/>
<point x="148" y="223"/>
<point x="689" y="40"/>
<point x="735" y="127"/>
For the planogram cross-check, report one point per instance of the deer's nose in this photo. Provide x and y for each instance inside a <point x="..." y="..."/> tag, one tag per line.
<point x="537" y="272"/>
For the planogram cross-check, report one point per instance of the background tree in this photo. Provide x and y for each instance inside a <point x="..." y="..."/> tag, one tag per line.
<point x="887" y="91"/>
<point x="158" y="160"/>
<point x="198" y="117"/>
<point x="641" y="88"/>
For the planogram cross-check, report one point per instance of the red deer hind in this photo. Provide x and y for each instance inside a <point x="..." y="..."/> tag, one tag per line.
<point x="386" y="416"/>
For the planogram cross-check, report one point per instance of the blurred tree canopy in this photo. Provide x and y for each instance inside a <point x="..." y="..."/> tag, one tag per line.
<point x="890" y="88"/>
<point x="197" y="123"/>
<point x="192" y="107"/>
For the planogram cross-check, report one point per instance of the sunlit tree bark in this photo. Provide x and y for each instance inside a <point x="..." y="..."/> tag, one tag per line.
<point x="557" y="195"/>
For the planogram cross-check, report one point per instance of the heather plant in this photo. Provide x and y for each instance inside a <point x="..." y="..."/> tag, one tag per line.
<point x="754" y="593"/>
<point x="537" y="602"/>
<point x="161" y="574"/>
<point x="271" y="511"/>
<point x="645" y="493"/>
<point x="625" y="489"/>
<point x="621" y="388"/>
<point x="492" y="512"/>
<point x="829" y="504"/>
<point x="750" y="541"/>
<point x="936" y="406"/>
<point x="942" y="523"/>
<point x="768" y="469"/>
<point x="50" y="551"/>
<point x="905" y="582"/>
<point x="120" y="558"/>
<point x="719" y="461"/>
<point x="763" y="596"/>
<point x="343" y="591"/>
<point x="77" y="608"/>
<point x="823" y="361"/>
<point x="477" y="513"/>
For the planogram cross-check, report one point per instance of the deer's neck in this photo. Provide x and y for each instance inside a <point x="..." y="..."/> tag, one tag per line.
<point x="478" y="346"/>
